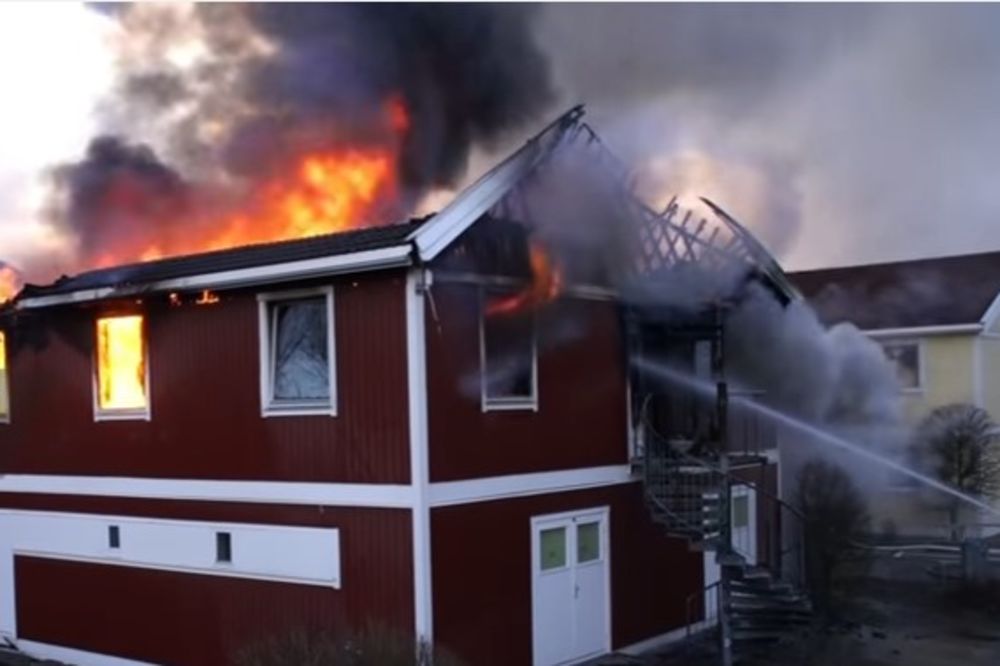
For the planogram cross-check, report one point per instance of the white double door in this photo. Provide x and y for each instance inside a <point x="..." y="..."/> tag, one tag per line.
<point x="571" y="586"/>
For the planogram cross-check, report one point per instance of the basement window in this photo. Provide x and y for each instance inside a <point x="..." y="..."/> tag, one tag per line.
<point x="297" y="353"/>
<point x="4" y="385"/>
<point x="114" y="537"/>
<point x="905" y="358"/>
<point x="223" y="547"/>
<point x="509" y="358"/>
<point x="122" y="378"/>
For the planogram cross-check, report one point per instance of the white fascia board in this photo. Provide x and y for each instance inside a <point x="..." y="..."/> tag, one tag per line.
<point x="355" y="262"/>
<point x="199" y="490"/>
<point x="448" y="493"/>
<point x="435" y="235"/>
<point x="915" y="331"/>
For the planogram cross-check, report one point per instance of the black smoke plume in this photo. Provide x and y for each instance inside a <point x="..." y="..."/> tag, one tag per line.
<point x="270" y="82"/>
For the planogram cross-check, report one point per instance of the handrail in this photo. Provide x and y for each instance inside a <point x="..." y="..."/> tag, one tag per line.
<point x="705" y="463"/>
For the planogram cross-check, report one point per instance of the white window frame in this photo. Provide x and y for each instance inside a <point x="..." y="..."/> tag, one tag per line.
<point x="513" y="403"/>
<point x="5" y="418"/>
<point x="268" y="406"/>
<point x="132" y="414"/>
<point x="921" y="371"/>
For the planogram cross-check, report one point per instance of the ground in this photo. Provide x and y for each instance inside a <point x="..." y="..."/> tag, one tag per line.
<point x="909" y="619"/>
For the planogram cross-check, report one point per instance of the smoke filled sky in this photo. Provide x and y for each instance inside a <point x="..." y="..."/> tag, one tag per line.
<point x="840" y="134"/>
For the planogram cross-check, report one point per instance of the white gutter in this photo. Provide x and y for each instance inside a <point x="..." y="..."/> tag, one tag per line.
<point x="355" y="262"/>
<point x="910" y="331"/>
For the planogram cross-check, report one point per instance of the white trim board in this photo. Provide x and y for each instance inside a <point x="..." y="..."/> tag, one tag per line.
<point x="264" y="492"/>
<point x="416" y="375"/>
<point x="524" y="485"/>
<point x="355" y="262"/>
<point x="74" y="656"/>
<point x="389" y="496"/>
<point x="913" y="331"/>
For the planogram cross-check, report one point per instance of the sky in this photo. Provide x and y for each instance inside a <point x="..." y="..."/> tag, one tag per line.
<point x="840" y="134"/>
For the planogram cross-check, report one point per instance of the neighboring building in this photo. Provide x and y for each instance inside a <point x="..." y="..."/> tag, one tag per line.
<point x="938" y="320"/>
<point x="203" y="451"/>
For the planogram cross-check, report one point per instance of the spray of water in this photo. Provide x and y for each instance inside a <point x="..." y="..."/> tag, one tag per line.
<point x="706" y="388"/>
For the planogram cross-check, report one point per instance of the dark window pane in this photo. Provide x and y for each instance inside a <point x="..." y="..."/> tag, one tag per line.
<point x="301" y="368"/>
<point x="114" y="537"/>
<point x="223" y="547"/>
<point x="509" y="351"/>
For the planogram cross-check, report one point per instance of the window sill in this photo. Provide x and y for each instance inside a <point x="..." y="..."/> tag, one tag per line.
<point x="299" y="410"/>
<point x="511" y="406"/>
<point x="130" y="415"/>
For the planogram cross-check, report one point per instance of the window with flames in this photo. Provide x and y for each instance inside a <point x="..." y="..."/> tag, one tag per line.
<point x="905" y="359"/>
<point x="122" y="379"/>
<point x="4" y="385"/>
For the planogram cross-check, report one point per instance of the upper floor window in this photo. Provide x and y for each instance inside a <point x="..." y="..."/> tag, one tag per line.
<point x="297" y="353"/>
<point x="509" y="358"/>
<point x="122" y="378"/>
<point x="4" y="385"/>
<point x="905" y="358"/>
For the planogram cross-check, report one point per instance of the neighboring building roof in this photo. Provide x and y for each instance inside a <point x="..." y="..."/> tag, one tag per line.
<point x="121" y="278"/>
<point x="940" y="291"/>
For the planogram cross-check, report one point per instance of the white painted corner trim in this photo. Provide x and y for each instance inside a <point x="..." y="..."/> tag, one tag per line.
<point x="524" y="485"/>
<point x="416" y="377"/>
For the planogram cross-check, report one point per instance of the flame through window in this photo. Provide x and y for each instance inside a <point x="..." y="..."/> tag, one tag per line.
<point x="508" y="357"/>
<point x="4" y="387"/>
<point x="121" y="364"/>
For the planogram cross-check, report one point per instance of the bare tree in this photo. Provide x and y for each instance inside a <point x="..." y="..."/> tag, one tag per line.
<point x="835" y="518"/>
<point x="958" y="444"/>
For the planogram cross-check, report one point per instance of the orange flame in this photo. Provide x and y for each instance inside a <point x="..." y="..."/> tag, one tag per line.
<point x="121" y="363"/>
<point x="10" y="283"/>
<point x="546" y="284"/>
<point x="326" y="191"/>
<point x="207" y="297"/>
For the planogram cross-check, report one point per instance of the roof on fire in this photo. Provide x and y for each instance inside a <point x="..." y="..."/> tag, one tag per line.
<point x="939" y="291"/>
<point x="235" y="259"/>
<point x="361" y="249"/>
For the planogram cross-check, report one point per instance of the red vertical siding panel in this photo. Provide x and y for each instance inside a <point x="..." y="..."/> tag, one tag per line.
<point x="581" y="420"/>
<point x="205" y="396"/>
<point x="482" y="573"/>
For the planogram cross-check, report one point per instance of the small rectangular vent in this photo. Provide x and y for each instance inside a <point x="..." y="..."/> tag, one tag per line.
<point x="114" y="537"/>
<point x="223" y="547"/>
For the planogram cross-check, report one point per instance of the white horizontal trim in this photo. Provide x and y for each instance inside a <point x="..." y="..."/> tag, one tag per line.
<point x="202" y="571"/>
<point x="74" y="656"/>
<point x="266" y="492"/>
<point x="391" y="496"/>
<point x="522" y="485"/>
<point x="354" y="262"/>
<point x="914" y="331"/>
<point x="275" y="552"/>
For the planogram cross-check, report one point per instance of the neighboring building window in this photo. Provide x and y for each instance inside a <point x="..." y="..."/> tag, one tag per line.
<point x="508" y="356"/>
<point x="297" y="353"/>
<point x="905" y="358"/>
<point x="4" y="382"/>
<point x="122" y="377"/>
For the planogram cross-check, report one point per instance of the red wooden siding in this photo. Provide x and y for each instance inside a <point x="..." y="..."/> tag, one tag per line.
<point x="191" y="619"/>
<point x="205" y="396"/>
<point x="482" y="573"/>
<point x="581" y="419"/>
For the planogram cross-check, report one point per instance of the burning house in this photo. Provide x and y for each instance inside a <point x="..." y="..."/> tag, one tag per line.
<point x="445" y="426"/>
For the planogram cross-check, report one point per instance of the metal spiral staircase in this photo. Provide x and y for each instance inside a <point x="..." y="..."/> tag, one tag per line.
<point x="688" y="485"/>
